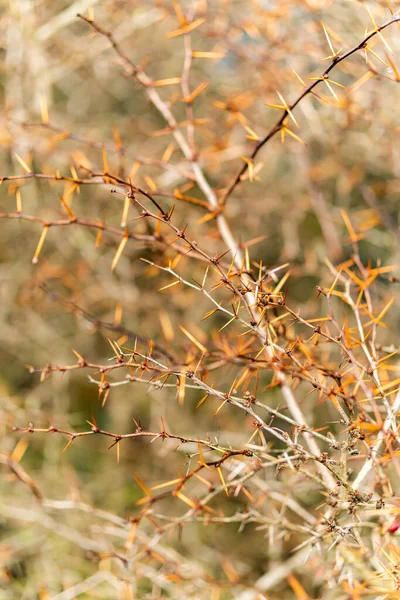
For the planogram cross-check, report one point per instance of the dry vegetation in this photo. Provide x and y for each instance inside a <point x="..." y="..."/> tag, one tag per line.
<point x="199" y="231"/>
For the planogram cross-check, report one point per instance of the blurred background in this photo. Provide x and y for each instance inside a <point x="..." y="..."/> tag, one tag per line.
<point x="69" y="106"/>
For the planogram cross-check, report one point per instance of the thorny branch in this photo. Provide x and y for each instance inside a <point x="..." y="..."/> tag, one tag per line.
<point x="320" y="488"/>
<point x="336" y="59"/>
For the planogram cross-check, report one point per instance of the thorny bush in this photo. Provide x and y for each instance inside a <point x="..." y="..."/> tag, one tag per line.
<point x="207" y="192"/>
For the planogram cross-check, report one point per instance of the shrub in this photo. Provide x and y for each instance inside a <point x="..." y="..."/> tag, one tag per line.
<point x="222" y="276"/>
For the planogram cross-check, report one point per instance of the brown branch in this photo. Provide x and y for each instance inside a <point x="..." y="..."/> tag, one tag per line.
<point x="22" y="475"/>
<point x="309" y="89"/>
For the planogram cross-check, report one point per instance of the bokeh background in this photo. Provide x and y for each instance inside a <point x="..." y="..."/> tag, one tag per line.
<point x="51" y="61"/>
